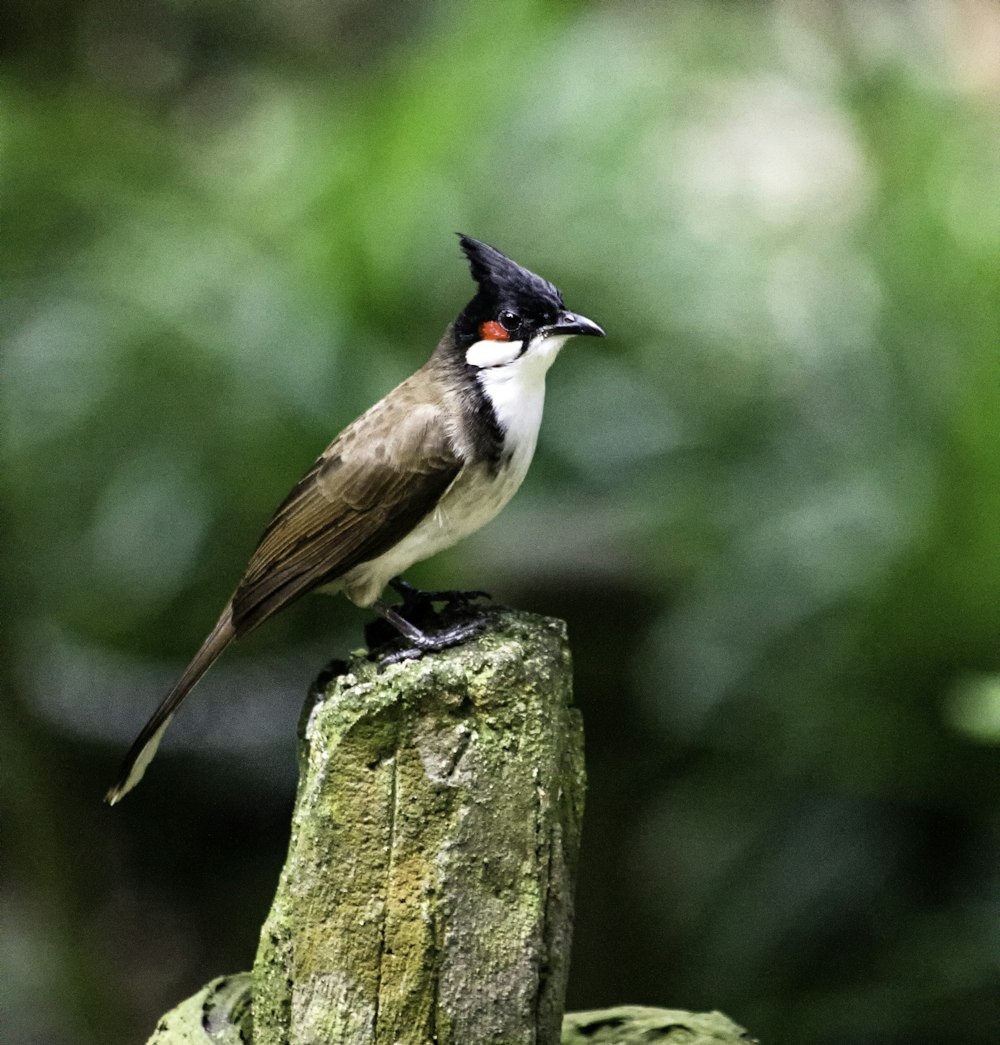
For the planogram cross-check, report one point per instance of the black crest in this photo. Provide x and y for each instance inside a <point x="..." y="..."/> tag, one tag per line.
<point x="503" y="284"/>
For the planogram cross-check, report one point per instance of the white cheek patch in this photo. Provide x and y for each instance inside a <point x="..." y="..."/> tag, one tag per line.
<point x="492" y="353"/>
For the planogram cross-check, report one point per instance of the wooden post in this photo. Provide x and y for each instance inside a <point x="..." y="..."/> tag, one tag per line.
<point x="219" y="1014"/>
<point x="427" y="894"/>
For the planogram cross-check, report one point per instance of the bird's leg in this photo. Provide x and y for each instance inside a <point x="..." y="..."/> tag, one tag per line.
<point x="421" y="641"/>
<point x="416" y="599"/>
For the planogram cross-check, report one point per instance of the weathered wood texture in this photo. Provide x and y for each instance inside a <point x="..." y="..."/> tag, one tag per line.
<point x="219" y="1014"/>
<point x="642" y="1025"/>
<point x="427" y="894"/>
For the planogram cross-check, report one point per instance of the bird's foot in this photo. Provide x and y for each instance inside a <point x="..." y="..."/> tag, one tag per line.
<point x="422" y="643"/>
<point x="418" y="640"/>
<point x="417" y="602"/>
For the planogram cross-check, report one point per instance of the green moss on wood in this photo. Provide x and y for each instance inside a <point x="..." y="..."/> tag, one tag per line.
<point x="641" y="1025"/>
<point x="427" y="894"/>
<point x="219" y="1014"/>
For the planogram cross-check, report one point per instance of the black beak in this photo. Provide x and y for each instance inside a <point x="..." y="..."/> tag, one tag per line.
<point x="571" y="323"/>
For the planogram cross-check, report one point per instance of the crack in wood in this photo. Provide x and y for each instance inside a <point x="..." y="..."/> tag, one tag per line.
<point x="393" y="815"/>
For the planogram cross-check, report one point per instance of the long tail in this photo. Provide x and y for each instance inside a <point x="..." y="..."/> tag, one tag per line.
<point x="142" y="751"/>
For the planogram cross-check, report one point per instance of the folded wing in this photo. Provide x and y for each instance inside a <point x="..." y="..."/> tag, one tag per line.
<point x="368" y="490"/>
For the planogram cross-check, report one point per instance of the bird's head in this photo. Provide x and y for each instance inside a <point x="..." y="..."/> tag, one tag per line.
<point x="515" y="314"/>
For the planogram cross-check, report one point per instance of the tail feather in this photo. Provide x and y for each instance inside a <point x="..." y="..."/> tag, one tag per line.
<point x="142" y="751"/>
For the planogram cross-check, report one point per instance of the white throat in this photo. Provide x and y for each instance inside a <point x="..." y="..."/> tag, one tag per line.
<point x="516" y="388"/>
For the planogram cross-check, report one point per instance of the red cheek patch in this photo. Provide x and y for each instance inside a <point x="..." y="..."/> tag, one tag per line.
<point x="491" y="331"/>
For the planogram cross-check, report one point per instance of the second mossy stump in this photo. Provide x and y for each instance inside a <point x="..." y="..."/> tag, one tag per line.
<point x="427" y="894"/>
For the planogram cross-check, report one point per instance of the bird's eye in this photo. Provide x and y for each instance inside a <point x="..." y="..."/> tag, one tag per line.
<point x="510" y="321"/>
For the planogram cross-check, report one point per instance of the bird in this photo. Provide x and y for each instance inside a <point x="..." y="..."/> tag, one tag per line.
<point x="430" y="463"/>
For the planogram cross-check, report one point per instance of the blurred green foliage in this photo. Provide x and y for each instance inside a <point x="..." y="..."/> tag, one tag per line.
<point x="766" y="504"/>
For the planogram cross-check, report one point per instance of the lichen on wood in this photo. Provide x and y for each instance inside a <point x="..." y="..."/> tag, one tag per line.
<point x="219" y="1014"/>
<point x="427" y="894"/>
<point x="643" y="1025"/>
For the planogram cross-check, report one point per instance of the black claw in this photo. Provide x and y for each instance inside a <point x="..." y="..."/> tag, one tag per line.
<point x="418" y="625"/>
<point x="417" y="602"/>
<point x="432" y="643"/>
<point x="398" y="657"/>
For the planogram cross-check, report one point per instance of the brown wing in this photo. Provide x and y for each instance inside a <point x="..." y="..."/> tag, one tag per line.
<point x="380" y="477"/>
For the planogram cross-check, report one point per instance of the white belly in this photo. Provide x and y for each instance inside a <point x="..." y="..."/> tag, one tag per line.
<point x="471" y="502"/>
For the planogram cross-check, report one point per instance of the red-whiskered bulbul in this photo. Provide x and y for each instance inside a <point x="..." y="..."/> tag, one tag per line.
<point x="432" y="462"/>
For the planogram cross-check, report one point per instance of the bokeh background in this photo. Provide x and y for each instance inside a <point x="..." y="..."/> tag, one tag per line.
<point x="766" y="504"/>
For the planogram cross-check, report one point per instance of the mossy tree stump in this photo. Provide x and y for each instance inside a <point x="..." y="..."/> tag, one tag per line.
<point x="427" y="893"/>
